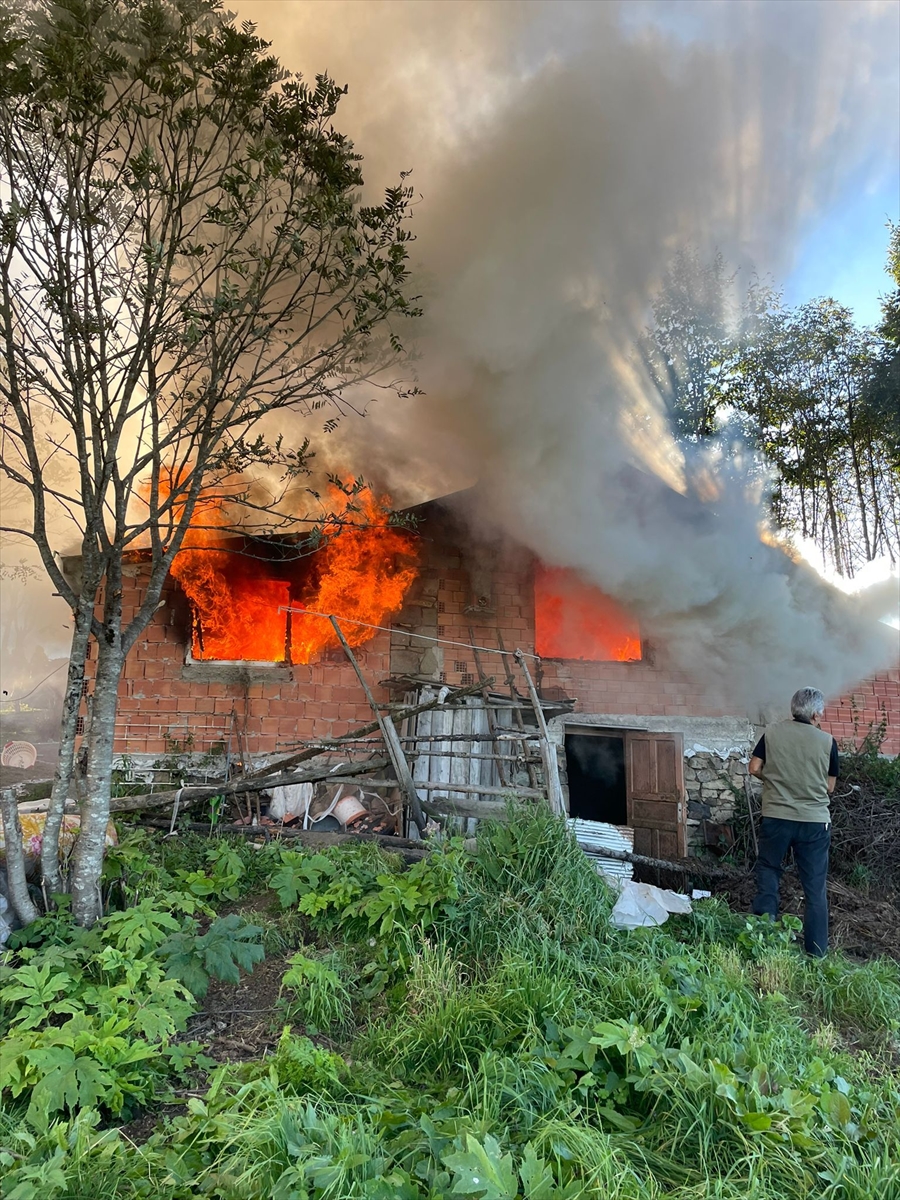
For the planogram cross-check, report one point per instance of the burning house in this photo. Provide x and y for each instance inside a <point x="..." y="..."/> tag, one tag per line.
<point x="242" y="660"/>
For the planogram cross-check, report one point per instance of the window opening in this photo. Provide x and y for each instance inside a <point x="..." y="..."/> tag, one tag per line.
<point x="575" y="620"/>
<point x="595" y="764"/>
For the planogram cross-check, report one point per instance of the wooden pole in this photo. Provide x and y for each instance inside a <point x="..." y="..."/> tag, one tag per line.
<point x="548" y="751"/>
<point x="516" y="708"/>
<point x="491" y="723"/>
<point x="390" y="735"/>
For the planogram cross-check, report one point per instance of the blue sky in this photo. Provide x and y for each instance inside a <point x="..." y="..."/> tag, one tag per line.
<point x="845" y="252"/>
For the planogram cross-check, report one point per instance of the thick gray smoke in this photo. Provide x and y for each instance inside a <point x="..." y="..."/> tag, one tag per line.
<point x="564" y="151"/>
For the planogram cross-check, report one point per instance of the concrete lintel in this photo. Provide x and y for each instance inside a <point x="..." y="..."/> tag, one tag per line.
<point x="236" y="674"/>
<point x="722" y="736"/>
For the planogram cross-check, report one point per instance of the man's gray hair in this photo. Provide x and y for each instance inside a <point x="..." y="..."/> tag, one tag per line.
<point x="807" y="703"/>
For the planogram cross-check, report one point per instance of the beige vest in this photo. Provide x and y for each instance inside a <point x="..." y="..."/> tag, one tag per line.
<point x="795" y="774"/>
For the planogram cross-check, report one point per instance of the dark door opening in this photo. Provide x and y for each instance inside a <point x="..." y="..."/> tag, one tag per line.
<point x="595" y="764"/>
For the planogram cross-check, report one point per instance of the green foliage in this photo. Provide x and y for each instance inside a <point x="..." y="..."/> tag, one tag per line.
<point x="816" y="393"/>
<point x="88" y="1017"/>
<point x="522" y="1050"/>
<point x="228" y="946"/>
<point x="306" y="1068"/>
<point x="375" y="904"/>
<point x="319" y="996"/>
<point x="761" y="934"/>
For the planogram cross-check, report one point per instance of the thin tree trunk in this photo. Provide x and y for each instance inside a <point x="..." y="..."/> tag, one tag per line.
<point x="858" y="479"/>
<point x="15" y="859"/>
<point x="52" y="877"/>
<point x="89" y="848"/>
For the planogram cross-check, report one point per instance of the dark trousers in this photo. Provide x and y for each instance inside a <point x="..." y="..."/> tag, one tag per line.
<point x="810" y="841"/>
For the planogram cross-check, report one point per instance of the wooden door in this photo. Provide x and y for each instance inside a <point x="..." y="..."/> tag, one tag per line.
<point x="654" y="770"/>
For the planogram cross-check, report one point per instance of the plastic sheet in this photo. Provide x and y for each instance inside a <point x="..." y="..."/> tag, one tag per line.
<point x="642" y="904"/>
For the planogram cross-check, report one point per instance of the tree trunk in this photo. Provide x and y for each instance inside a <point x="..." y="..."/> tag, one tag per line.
<point x="15" y="859"/>
<point x="52" y="877"/>
<point x="88" y="857"/>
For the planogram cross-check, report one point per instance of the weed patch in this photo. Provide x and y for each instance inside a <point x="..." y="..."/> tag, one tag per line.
<point x="469" y="1027"/>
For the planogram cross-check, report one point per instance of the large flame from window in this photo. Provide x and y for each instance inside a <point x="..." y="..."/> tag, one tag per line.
<point x="573" y="619"/>
<point x="361" y="572"/>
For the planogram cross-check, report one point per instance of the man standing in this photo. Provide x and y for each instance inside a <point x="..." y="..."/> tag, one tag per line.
<point x="798" y="764"/>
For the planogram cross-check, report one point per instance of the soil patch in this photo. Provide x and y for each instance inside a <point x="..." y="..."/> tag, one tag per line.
<point x="238" y="1021"/>
<point x="863" y="924"/>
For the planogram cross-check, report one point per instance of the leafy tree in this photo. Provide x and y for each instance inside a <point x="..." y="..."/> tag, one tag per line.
<point x="183" y="254"/>
<point x="883" y="393"/>
<point x="807" y="387"/>
<point x="691" y="337"/>
<point x="700" y="319"/>
<point x="800" y="381"/>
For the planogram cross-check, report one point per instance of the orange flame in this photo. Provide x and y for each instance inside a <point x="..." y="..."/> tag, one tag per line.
<point x="362" y="572"/>
<point x="573" y="619"/>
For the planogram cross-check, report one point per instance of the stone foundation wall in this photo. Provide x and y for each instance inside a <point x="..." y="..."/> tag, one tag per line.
<point x="715" y="787"/>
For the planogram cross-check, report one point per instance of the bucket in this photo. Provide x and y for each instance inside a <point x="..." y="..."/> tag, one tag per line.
<point x="348" y="810"/>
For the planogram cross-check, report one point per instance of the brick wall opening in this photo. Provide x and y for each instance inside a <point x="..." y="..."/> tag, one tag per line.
<point x="575" y="620"/>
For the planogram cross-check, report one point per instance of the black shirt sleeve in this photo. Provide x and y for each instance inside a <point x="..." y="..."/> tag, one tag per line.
<point x="834" y="763"/>
<point x="759" y="750"/>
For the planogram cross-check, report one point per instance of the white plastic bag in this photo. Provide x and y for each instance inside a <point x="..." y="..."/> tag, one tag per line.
<point x="290" y="800"/>
<point x="641" y="904"/>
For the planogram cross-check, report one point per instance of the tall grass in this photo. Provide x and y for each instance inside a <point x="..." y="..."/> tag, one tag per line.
<point x="527" y="1045"/>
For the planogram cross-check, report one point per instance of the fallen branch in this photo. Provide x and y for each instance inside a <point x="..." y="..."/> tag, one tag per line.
<point x="254" y="783"/>
<point x="688" y="867"/>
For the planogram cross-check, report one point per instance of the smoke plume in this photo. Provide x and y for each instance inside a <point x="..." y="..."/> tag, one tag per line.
<point x="563" y="152"/>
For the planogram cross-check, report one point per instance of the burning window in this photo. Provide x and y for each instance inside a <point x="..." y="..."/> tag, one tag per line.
<point x="239" y="595"/>
<point x="574" y="619"/>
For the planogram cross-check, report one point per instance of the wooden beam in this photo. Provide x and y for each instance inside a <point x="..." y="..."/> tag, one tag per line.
<point x="469" y="789"/>
<point x="340" y="743"/>
<point x="390" y="735"/>
<point x="548" y="751"/>
<point x="193" y="794"/>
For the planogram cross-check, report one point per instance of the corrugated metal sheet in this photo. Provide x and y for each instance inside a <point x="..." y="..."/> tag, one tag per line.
<point x="596" y="836"/>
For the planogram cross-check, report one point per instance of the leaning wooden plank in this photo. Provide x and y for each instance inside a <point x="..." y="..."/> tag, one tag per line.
<point x="326" y="744"/>
<point x="548" y="751"/>
<point x="491" y="723"/>
<point x="515" y="707"/>
<point x="194" y="794"/>
<point x="390" y="735"/>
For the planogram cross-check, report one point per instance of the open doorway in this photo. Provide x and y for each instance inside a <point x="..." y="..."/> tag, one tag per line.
<point x="595" y="764"/>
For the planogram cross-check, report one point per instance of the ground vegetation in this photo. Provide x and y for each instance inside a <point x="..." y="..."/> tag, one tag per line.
<point x="469" y="1026"/>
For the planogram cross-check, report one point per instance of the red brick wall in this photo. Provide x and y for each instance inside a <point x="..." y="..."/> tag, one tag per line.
<point x="159" y="706"/>
<point x="851" y="717"/>
<point x="160" y="703"/>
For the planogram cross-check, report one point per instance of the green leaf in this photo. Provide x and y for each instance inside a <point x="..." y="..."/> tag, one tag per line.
<point x="482" y="1170"/>
<point x="536" y="1176"/>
